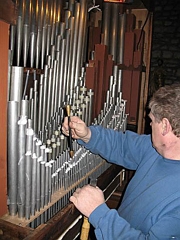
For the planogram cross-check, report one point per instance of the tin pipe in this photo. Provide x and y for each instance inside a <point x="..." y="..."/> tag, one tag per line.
<point x="25" y="86"/>
<point x="81" y="39"/>
<point x="12" y="156"/>
<point x="42" y="187"/>
<point x="71" y="25"/>
<point x="19" y="36"/>
<point x="28" y="184"/>
<point x="45" y="87"/>
<point x="34" y="184"/>
<point x="16" y="85"/>
<point x="121" y="31"/>
<point x="54" y="79"/>
<point x="49" y="94"/>
<point x="43" y="46"/>
<point x="90" y="95"/>
<point x="66" y="62"/>
<point x="40" y="113"/>
<point x="119" y="80"/>
<point x="38" y="180"/>
<point x="33" y="37"/>
<point x="39" y="10"/>
<point x="71" y="4"/>
<point x="61" y="71"/>
<point x="35" y="110"/>
<point x="57" y="82"/>
<point x="47" y="169"/>
<point x="12" y="43"/>
<point x="48" y="44"/>
<point x="74" y="49"/>
<point x="106" y="22"/>
<point x="114" y="31"/>
<point x="21" y="165"/>
<point x="24" y="108"/>
<point x="66" y="18"/>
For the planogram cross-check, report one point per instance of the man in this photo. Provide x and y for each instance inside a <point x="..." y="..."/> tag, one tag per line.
<point x="150" y="208"/>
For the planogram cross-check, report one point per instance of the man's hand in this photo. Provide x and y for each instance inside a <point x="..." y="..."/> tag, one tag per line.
<point x="79" y="130"/>
<point x="87" y="199"/>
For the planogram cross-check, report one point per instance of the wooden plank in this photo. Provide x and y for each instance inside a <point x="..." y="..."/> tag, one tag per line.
<point x="69" y="218"/>
<point x="4" y="39"/>
<point x="8" y="11"/>
<point x="10" y="231"/>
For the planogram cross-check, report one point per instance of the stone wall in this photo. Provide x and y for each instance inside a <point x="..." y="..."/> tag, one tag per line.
<point x="165" y="59"/>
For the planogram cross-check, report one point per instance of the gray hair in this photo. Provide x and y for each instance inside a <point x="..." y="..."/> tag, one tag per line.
<point x="165" y="103"/>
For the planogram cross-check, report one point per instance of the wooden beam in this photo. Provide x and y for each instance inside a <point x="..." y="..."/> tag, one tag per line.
<point x="8" y="12"/>
<point x="4" y="33"/>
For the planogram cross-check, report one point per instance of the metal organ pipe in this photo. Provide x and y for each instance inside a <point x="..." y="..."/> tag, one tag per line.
<point x="21" y="165"/>
<point x="12" y="156"/>
<point x="19" y="34"/>
<point x="114" y="31"/>
<point x="75" y="42"/>
<point x="106" y="23"/>
<point x="16" y="84"/>
<point x="81" y="38"/>
<point x="121" y="31"/>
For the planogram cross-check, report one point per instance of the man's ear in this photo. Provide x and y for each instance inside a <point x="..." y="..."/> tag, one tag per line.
<point x="166" y="126"/>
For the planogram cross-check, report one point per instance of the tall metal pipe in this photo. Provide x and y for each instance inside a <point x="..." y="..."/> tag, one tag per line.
<point x="44" y="101"/>
<point x="106" y="22"/>
<point x="34" y="184"/>
<point x="121" y="31"/>
<point x="19" y="35"/>
<point x="16" y="85"/>
<point x="40" y="113"/>
<point x="114" y="31"/>
<point x="49" y="93"/>
<point x="39" y="9"/>
<point x="61" y="72"/>
<point x="54" y="79"/>
<point x="26" y="32"/>
<point x="81" y="39"/>
<point x="12" y="43"/>
<point x="12" y="146"/>
<point x="66" y="62"/>
<point x="71" y="25"/>
<point x="75" y="42"/>
<point x="33" y="37"/>
<point x="28" y="184"/>
<point x="21" y="165"/>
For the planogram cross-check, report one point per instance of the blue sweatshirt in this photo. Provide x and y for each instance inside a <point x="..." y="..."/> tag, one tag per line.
<point x="150" y="208"/>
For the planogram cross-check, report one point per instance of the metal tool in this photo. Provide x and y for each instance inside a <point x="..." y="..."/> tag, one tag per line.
<point x="68" y="110"/>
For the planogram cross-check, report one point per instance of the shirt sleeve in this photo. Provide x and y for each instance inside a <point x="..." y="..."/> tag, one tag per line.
<point x="126" y="149"/>
<point x="110" y="226"/>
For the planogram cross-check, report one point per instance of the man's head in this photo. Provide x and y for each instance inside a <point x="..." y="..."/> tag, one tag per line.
<point x="165" y="104"/>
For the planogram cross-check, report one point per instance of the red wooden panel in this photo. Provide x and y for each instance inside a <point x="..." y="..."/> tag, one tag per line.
<point x="128" y="48"/>
<point x="4" y="40"/>
<point x="135" y="85"/>
<point x="130" y="22"/>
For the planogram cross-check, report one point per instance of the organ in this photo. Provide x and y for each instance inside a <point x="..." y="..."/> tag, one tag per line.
<point x="48" y="69"/>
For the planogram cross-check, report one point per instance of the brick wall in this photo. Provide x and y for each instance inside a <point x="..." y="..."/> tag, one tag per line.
<point x="165" y="57"/>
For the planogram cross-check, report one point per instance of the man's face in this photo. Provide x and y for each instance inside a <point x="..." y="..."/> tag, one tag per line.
<point x="157" y="138"/>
